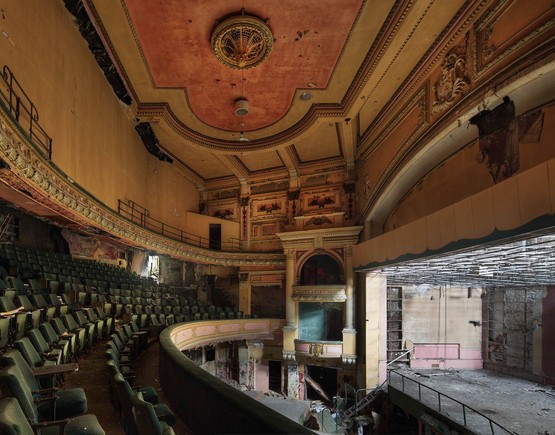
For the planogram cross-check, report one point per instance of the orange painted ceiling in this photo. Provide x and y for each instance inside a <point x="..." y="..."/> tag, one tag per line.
<point x="353" y="56"/>
<point x="174" y="37"/>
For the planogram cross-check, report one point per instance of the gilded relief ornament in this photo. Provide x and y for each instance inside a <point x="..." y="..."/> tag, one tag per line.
<point x="452" y="83"/>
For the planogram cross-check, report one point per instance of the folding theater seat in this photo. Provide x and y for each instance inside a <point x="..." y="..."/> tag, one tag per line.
<point x="82" y="337"/>
<point x="19" y="318"/>
<point x="83" y="322"/>
<point x="125" y="393"/>
<point x="145" y="418"/>
<point x="60" y="409"/>
<point x="31" y="356"/>
<point x="36" y="314"/>
<point x="64" y="333"/>
<point x="55" y="342"/>
<point x="43" y="348"/>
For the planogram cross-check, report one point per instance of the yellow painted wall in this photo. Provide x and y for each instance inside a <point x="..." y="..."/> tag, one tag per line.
<point x="199" y="224"/>
<point x="94" y="141"/>
<point x="462" y="176"/>
<point x="505" y="206"/>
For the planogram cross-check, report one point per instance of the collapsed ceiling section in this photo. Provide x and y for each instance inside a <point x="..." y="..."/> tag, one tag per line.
<point x="527" y="262"/>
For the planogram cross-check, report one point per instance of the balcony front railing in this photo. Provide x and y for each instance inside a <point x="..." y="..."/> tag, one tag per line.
<point x="446" y="405"/>
<point x="23" y="111"/>
<point x="141" y="216"/>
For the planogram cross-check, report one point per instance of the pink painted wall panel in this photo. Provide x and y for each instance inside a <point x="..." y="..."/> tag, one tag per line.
<point x="436" y="350"/>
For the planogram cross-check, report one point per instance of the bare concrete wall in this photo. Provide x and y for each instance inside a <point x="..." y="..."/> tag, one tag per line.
<point x="442" y="315"/>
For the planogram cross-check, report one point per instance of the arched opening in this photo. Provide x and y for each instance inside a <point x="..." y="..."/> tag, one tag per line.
<point x="321" y="269"/>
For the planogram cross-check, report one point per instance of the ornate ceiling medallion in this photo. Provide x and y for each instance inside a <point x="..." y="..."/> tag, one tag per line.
<point x="242" y="41"/>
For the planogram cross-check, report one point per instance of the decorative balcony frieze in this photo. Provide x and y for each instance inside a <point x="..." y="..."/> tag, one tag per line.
<point x="319" y="349"/>
<point x="27" y="170"/>
<point x="319" y="293"/>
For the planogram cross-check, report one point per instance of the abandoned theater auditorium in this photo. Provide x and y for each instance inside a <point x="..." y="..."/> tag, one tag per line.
<point x="267" y="217"/>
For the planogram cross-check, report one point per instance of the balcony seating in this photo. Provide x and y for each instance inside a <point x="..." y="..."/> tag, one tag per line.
<point x="146" y="420"/>
<point x="32" y="357"/>
<point x="56" y="342"/>
<point x="125" y="393"/>
<point x="43" y="348"/>
<point x="68" y="402"/>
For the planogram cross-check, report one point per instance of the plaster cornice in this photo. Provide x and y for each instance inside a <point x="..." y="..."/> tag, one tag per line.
<point x="321" y="238"/>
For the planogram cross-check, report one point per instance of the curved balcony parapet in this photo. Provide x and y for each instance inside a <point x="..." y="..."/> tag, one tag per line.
<point x="207" y="404"/>
<point x="39" y="178"/>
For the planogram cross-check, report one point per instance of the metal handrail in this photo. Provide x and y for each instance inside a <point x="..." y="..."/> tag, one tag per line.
<point x="399" y="357"/>
<point x="465" y="408"/>
<point x="141" y="216"/>
<point x="23" y="111"/>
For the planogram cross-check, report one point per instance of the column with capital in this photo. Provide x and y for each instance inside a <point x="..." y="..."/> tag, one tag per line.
<point x="290" y="328"/>
<point x="349" y="332"/>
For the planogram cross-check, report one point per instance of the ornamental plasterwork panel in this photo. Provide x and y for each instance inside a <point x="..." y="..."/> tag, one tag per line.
<point x="494" y="44"/>
<point x="30" y="172"/>
<point x="453" y="82"/>
<point x="319" y="293"/>
<point x="328" y="238"/>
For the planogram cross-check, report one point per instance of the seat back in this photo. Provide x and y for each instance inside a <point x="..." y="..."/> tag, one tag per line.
<point x="6" y="304"/>
<point x="80" y="318"/>
<point x="28" y="351"/>
<point x="12" y="418"/>
<point x="145" y="417"/>
<point x="125" y="397"/>
<point x="38" y="341"/>
<point x="14" y="358"/>
<point x="16" y="283"/>
<point x="39" y="301"/>
<point x="58" y="325"/>
<point x="70" y="322"/>
<point x="23" y="300"/>
<point x="4" y="333"/>
<point x="12" y="378"/>
<point x="49" y="334"/>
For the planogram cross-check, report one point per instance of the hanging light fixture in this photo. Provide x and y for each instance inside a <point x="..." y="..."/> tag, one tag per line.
<point x="241" y="107"/>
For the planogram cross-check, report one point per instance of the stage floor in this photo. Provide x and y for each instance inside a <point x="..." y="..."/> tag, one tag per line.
<point x="521" y="406"/>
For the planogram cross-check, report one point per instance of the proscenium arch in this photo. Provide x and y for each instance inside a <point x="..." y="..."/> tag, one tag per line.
<point x="528" y="92"/>
<point x="307" y="256"/>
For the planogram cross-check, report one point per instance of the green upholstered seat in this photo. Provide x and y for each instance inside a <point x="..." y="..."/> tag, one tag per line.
<point x="69" y="402"/>
<point x="14" y="422"/>
<point x="145" y="418"/>
<point x="30" y="354"/>
<point x="43" y="348"/>
<point x="56" y="342"/>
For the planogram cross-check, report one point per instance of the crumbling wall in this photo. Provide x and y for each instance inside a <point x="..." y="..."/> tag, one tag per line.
<point x="514" y="335"/>
<point x="171" y="271"/>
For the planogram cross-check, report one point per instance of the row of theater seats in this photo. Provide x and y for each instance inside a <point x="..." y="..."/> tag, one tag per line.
<point x="140" y="408"/>
<point x="32" y="403"/>
<point x="53" y="314"/>
<point x="63" y="331"/>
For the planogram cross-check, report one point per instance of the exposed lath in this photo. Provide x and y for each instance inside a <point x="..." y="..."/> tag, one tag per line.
<point x="518" y="263"/>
